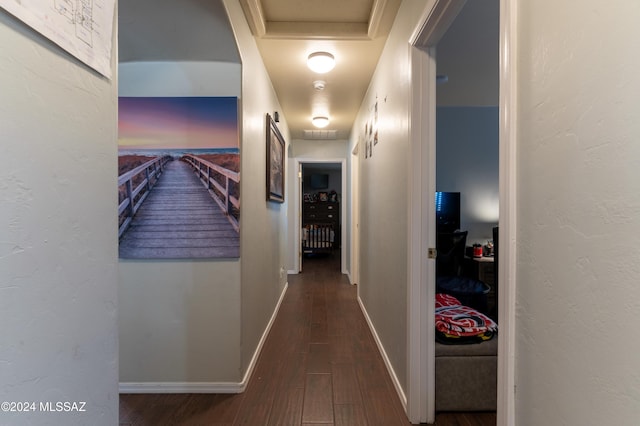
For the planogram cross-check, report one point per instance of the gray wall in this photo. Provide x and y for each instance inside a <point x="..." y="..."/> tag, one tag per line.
<point x="578" y="184"/>
<point x="468" y="55"/>
<point x="263" y="234"/>
<point x="334" y="178"/>
<point x="196" y="325"/>
<point x="58" y="239"/>
<point x="467" y="162"/>
<point x="170" y="311"/>
<point x="384" y="198"/>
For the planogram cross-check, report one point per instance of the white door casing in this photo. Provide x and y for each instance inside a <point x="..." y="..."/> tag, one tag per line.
<point x="437" y="17"/>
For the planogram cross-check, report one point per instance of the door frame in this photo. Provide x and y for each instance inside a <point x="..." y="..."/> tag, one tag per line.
<point x="298" y="163"/>
<point x="354" y="247"/>
<point x="507" y="238"/>
<point x="436" y="19"/>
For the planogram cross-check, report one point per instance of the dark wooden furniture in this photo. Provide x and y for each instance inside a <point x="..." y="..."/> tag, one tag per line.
<point x="320" y="226"/>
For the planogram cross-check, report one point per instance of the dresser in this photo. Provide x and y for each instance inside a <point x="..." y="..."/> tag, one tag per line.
<point x="322" y="212"/>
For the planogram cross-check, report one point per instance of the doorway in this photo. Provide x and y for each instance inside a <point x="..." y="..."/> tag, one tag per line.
<point x="437" y="18"/>
<point x="320" y="222"/>
<point x="467" y="194"/>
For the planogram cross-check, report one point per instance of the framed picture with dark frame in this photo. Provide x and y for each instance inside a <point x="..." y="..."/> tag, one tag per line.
<point x="275" y="162"/>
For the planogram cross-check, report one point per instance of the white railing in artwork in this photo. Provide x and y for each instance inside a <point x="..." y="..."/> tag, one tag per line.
<point x="145" y="175"/>
<point x="220" y="192"/>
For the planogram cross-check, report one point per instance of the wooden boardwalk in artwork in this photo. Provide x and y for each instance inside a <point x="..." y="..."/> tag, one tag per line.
<point x="179" y="220"/>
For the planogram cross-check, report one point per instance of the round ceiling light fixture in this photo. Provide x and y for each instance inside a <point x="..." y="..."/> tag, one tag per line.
<point x="320" y="121"/>
<point x="321" y="62"/>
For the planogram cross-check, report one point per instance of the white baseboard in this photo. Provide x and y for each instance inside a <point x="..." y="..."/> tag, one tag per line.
<point x="292" y="272"/>
<point x="180" y="387"/>
<point x="387" y="363"/>
<point x="256" y="354"/>
<point x="206" y="387"/>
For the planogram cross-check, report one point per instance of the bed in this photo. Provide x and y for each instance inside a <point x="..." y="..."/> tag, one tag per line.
<point x="318" y="238"/>
<point x="466" y="376"/>
<point x="466" y="357"/>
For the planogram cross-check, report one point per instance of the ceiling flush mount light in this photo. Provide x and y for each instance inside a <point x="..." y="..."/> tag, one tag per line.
<point x="321" y="62"/>
<point x="320" y="122"/>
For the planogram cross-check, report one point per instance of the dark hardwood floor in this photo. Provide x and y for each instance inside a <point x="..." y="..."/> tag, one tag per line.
<point x="319" y="366"/>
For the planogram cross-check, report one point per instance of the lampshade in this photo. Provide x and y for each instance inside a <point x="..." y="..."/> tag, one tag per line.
<point x="320" y="122"/>
<point x="321" y="62"/>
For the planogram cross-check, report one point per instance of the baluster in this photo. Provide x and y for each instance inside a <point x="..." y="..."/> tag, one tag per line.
<point x="226" y="194"/>
<point x="129" y="186"/>
<point x="148" y="177"/>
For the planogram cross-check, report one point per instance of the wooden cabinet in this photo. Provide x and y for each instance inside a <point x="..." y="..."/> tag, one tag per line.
<point x="322" y="213"/>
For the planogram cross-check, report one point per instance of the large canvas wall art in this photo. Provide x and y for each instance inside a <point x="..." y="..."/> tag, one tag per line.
<point x="178" y="178"/>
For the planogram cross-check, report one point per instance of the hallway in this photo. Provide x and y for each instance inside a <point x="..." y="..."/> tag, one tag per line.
<point x="319" y="365"/>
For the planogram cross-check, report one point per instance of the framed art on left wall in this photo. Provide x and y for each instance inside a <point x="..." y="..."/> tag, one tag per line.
<point x="275" y="162"/>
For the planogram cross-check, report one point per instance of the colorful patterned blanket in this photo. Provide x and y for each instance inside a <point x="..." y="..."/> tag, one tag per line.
<point x="456" y="323"/>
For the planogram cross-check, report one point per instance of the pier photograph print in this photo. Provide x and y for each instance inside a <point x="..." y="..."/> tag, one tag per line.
<point x="178" y="177"/>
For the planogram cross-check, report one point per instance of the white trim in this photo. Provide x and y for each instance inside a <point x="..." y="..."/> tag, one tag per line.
<point x="436" y="19"/>
<point x="207" y="387"/>
<point x="256" y="354"/>
<point x="507" y="266"/>
<point x="421" y="293"/>
<point x="343" y="208"/>
<point x="377" y="13"/>
<point x="180" y="387"/>
<point x="383" y="353"/>
<point x="354" y="220"/>
<point x="255" y="16"/>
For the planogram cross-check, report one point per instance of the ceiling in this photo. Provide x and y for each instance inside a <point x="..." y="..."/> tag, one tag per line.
<point x="287" y="31"/>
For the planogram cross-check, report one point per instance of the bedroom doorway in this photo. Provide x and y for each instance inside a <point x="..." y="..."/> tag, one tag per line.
<point x="436" y="19"/>
<point x="321" y="213"/>
<point x="467" y="207"/>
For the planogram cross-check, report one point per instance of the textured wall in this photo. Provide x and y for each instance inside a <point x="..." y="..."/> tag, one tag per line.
<point x="578" y="297"/>
<point x="201" y="321"/>
<point x="384" y="194"/>
<point x="467" y="162"/>
<point x="58" y="283"/>
<point x="179" y="320"/>
<point x="468" y="55"/>
<point x="264" y="225"/>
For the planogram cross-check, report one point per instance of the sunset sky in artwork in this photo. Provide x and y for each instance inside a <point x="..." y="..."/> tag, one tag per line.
<point x="174" y="123"/>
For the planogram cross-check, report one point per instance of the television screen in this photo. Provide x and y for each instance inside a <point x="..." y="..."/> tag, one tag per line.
<point x="447" y="211"/>
<point x="319" y="181"/>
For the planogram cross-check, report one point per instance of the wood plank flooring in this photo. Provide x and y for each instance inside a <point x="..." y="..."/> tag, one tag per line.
<point x="319" y="366"/>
